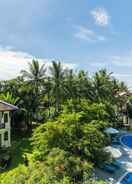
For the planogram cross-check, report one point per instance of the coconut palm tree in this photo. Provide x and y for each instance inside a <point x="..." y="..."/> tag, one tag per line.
<point x="35" y="75"/>
<point x="57" y="76"/>
<point x="34" y="80"/>
<point x="102" y="83"/>
<point x="70" y="84"/>
<point x="106" y="86"/>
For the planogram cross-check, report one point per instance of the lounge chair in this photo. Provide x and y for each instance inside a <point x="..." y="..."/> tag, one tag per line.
<point x="109" y="168"/>
<point x="116" y="142"/>
<point x="117" y="164"/>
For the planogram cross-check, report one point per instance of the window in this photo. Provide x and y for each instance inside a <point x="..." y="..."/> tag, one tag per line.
<point x="5" y="117"/>
<point x="6" y="136"/>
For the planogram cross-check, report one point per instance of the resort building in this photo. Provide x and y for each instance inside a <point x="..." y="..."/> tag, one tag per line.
<point x="127" y="121"/>
<point x="6" y="110"/>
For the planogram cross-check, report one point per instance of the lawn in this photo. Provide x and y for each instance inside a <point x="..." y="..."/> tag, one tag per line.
<point x="20" y="146"/>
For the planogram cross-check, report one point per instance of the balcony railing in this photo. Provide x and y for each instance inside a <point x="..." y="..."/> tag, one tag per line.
<point x="2" y="125"/>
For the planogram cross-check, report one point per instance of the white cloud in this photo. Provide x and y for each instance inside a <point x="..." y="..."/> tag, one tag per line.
<point x="101" y="16"/>
<point x="122" y="61"/>
<point x="12" y="62"/>
<point x="117" y="60"/>
<point x="122" y="75"/>
<point x="98" y="64"/>
<point x="120" y="64"/>
<point x="127" y="78"/>
<point x="88" y="35"/>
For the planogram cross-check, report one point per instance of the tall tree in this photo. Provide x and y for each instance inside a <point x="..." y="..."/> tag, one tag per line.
<point x="35" y="75"/>
<point x="57" y="76"/>
<point x="85" y="88"/>
<point x="70" y="84"/>
<point x="32" y="87"/>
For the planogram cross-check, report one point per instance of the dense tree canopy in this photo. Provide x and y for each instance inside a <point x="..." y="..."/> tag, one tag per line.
<point x="68" y="112"/>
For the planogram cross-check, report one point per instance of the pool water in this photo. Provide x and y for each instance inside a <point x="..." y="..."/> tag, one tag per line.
<point x="127" y="179"/>
<point x="127" y="140"/>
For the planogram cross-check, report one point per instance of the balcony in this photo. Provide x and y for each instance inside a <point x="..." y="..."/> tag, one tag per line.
<point x="2" y="125"/>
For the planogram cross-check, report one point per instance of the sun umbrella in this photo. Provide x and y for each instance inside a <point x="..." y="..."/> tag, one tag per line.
<point x="111" y="131"/>
<point x="115" y="152"/>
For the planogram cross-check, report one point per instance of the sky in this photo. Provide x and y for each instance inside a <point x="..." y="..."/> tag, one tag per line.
<point x="83" y="34"/>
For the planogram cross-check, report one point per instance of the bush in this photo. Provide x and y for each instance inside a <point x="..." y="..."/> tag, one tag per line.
<point x="70" y="145"/>
<point x="35" y="174"/>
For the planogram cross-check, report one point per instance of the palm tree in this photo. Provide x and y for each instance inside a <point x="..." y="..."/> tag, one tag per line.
<point x="107" y="87"/>
<point x="35" y="78"/>
<point x="84" y="87"/>
<point x="35" y="75"/>
<point x="70" y="84"/>
<point x="102" y="83"/>
<point x="57" y="76"/>
<point x="48" y="91"/>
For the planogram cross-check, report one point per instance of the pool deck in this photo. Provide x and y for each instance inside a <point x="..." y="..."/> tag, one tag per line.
<point x="125" y="159"/>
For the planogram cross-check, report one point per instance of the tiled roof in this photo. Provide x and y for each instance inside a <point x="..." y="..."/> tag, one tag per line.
<point x="4" y="106"/>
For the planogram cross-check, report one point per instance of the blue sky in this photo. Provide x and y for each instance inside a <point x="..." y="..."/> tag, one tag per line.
<point x="85" y="34"/>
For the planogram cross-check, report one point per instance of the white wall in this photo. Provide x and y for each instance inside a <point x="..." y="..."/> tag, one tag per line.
<point x="6" y="143"/>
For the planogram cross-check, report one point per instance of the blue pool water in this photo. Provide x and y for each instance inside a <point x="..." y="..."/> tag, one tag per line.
<point x="127" y="140"/>
<point x="127" y="179"/>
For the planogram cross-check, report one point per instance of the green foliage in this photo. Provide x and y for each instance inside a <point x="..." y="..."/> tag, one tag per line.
<point x="57" y="76"/>
<point x="73" y="110"/>
<point x="35" y="174"/>
<point x="36" y="72"/>
<point x="73" y="142"/>
<point x="106" y="87"/>
<point x="129" y="107"/>
<point x="8" y="97"/>
<point x="92" y="111"/>
<point x="94" y="182"/>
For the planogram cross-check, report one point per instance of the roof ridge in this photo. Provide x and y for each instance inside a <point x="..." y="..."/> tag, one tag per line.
<point x="8" y="104"/>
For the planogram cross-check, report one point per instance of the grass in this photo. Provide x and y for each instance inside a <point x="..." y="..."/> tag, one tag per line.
<point x="20" y="146"/>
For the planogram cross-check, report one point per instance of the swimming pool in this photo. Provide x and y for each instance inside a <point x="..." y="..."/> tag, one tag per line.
<point x="127" y="179"/>
<point x="127" y="140"/>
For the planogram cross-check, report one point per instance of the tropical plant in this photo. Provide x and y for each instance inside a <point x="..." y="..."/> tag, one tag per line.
<point x="8" y="97"/>
<point x="35" y="75"/>
<point x="72" y="140"/>
<point x="57" y="76"/>
<point x="73" y="109"/>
